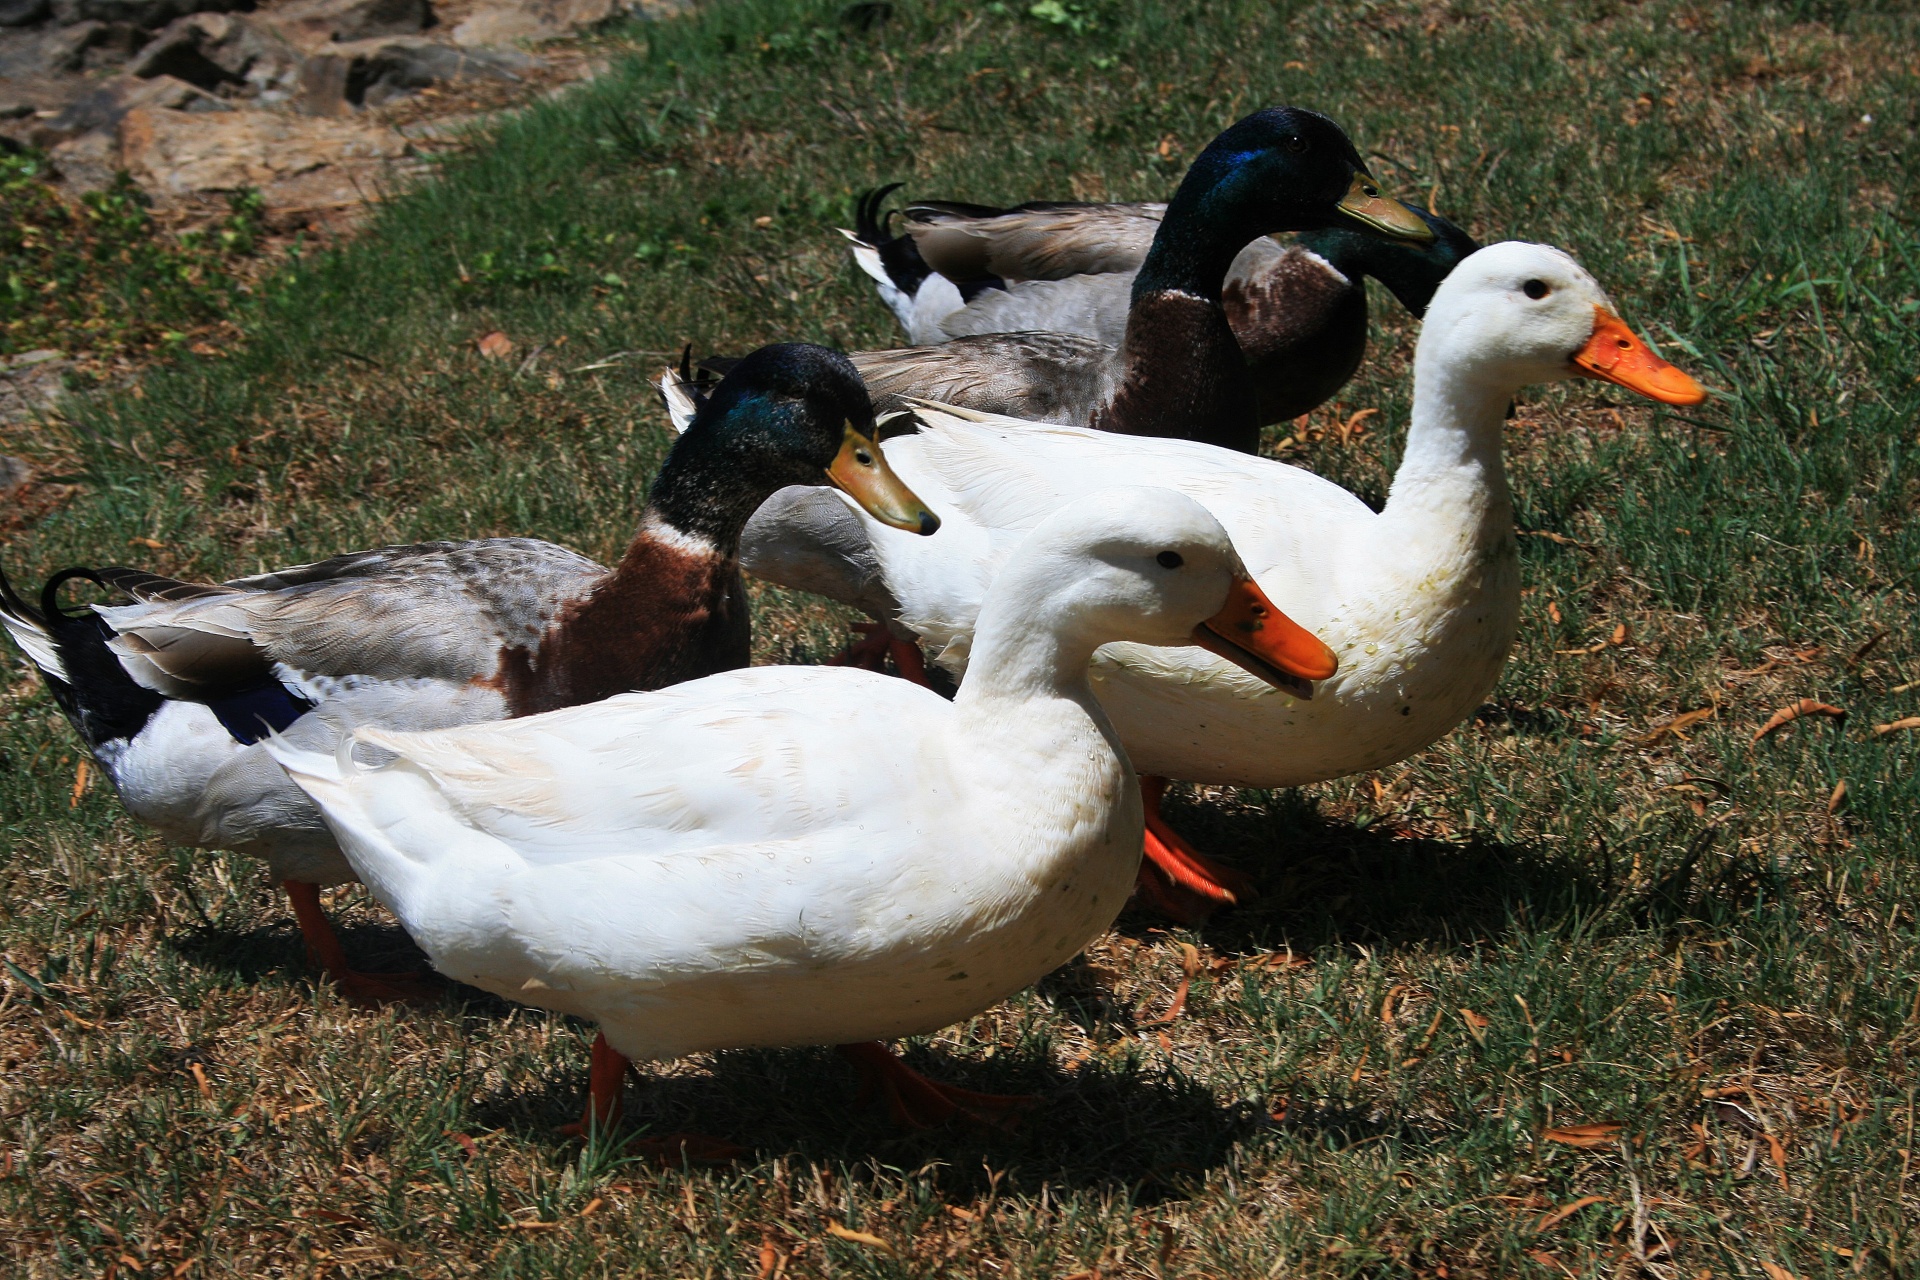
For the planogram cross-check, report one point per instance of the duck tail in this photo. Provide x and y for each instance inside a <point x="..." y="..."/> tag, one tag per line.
<point x="82" y="673"/>
<point x="28" y="627"/>
<point x="892" y="261"/>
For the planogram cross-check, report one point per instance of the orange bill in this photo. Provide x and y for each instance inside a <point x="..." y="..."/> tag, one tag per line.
<point x="862" y="471"/>
<point x="1615" y="353"/>
<point x="1251" y="632"/>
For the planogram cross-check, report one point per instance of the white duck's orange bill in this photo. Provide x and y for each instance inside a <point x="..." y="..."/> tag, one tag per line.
<point x="1616" y="354"/>
<point x="1251" y="632"/>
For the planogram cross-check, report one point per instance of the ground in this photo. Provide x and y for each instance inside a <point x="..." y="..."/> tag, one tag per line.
<point x="1605" y="983"/>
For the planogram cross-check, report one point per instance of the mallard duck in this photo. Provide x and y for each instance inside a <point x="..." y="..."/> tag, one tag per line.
<point x="1297" y="310"/>
<point x="806" y="855"/>
<point x="1177" y="369"/>
<point x="173" y="693"/>
<point x="1420" y="600"/>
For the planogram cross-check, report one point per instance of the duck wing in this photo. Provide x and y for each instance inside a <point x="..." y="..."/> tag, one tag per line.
<point x="1040" y="241"/>
<point x="646" y="831"/>
<point x="993" y="479"/>
<point x="439" y="610"/>
<point x="1041" y="377"/>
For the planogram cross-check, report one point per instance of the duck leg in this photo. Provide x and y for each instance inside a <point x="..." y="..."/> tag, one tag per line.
<point x="1176" y="877"/>
<point x="915" y="1102"/>
<point x="877" y="645"/>
<point x="323" y="945"/>
<point x="606" y="1077"/>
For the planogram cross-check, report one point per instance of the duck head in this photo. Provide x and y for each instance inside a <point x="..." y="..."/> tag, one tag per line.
<point x="1514" y="314"/>
<point x="1152" y="566"/>
<point x="1410" y="271"/>
<point x="788" y="414"/>
<point x="1280" y="169"/>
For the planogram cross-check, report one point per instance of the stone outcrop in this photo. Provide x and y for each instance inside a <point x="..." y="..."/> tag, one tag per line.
<point x="198" y="97"/>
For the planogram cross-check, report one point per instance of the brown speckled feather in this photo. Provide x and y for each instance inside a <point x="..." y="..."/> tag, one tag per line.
<point x="1042" y="377"/>
<point x="1043" y="243"/>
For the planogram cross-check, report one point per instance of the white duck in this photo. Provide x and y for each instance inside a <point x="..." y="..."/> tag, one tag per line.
<point x="1420" y="600"/>
<point x="804" y="855"/>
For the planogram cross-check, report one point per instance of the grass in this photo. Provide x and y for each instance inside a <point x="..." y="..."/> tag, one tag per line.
<point x="1586" y="907"/>
<point x="97" y="277"/>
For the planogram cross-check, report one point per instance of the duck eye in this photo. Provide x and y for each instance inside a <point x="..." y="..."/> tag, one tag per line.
<point x="1169" y="560"/>
<point x="1295" y="143"/>
<point x="1535" y="289"/>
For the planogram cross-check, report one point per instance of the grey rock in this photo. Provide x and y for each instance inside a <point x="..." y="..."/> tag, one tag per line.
<point x="102" y="110"/>
<point x="30" y="384"/>
<point x="218" y="50"/>
<point x="316" y="22"/>
<point x="14" y="474"/>
<point x="149" y="15"/>
<point x="22" y="13"/>
<point x="371" y="73"/>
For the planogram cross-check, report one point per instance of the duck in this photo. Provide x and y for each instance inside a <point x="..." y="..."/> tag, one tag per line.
<point x="174" y="693"/>
<point x="789" y="856"/>
<point x="1298" y="310"/>
<point x="1177" y="369"/>
<point x="1420" y="599"/>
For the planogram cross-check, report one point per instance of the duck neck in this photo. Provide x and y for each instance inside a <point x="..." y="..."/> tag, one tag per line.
<point x="1182" y="375"/>
<point x="673" y="609"/>
<point x="1023" y="649"/>
<point x="1452" y="479"/>
<point x="1198" y="239"/>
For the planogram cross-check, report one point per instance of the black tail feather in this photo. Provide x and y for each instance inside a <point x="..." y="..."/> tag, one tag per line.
<point x="101" y="700"/>
<point x="899" y="256"/>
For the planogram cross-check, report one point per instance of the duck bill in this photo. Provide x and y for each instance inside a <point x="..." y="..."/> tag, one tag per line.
<point x="1250" y="632"/>
<point x="862" y="471"/>
<point x="1365" y="204"/>
<point x="1616" y="354"/>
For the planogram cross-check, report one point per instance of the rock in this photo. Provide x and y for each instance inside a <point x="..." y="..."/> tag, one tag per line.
<point x="14" y="474"/>
<point x="22" y="96"/>
<point x="315" y="23"/>
<point x="87" y="163"/>
<point x="218" y="50"/>
<point x="102" y="110"/>
<point x="30" y="384"/>
<point x="493" y="22"/>
<point x="296" y="162"/>
<point x="148" y="15"/>
<point x="22" y="13"/>
<point x="373" y="72"/>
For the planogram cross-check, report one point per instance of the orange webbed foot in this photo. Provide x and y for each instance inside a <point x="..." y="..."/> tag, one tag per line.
<point x="1176" y="877"/>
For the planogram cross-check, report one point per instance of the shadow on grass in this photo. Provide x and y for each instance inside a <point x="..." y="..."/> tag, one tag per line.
<point x="1137" y="1130"/>
<point x="1326" y="882"/>
<point x="277" y="953"/>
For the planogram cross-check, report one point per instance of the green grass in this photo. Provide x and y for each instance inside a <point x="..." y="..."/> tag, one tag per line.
<point x="96" y="277"/>
<point x="1694" y="937"/>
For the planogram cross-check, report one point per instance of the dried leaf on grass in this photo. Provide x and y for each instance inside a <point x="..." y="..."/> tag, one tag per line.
<point x="1678" y="726"/>
<point x="1566" y="1211"/>
<point x="872" y="1241"/>
<point x="1793" y="711"/>
<point x="1189" y="966"/>
<point x="1776" y="1272"/>
<point x="1895" y="726"/>
<point x="1602" y="1133"/>
<point x="496" y="346"/>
